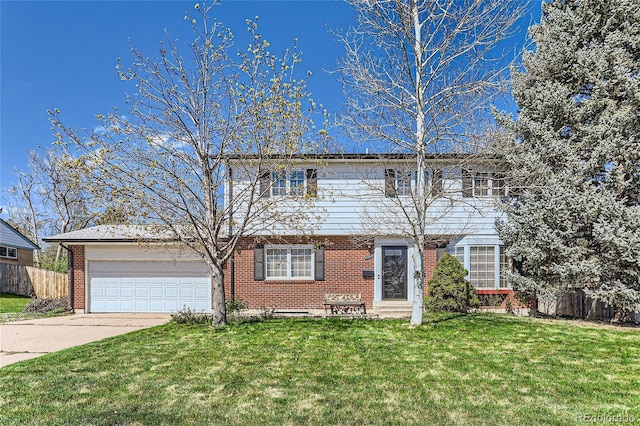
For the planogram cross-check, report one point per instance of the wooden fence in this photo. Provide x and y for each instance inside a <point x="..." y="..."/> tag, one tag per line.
<point x="28" y="281"/>
<point x="574" y="303"/>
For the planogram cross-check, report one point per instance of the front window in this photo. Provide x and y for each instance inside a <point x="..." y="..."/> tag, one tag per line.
<point x="505" y="265"/>
<point x="8" y="252"/>
<point x="403" y="182"/>
<point x="482" y="266"/>
<point x="288" y="183"/>
<point x="296" y="183"/>
<point x="481" y="185"/>
<point x="290" y="262"/>
<point x="477" y="184"/>
<point x="482" y="272"/>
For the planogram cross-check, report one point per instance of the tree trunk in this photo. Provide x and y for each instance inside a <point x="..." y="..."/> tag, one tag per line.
<point x="418" y="278"/>
<point x="219" y="307"/>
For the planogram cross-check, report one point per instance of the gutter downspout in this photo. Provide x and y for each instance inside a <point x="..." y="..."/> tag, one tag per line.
<point x="232" y="272"/>
<point x="71" y="275"/>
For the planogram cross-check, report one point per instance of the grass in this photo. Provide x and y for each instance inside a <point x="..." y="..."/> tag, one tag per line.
<point x="476" y="369"/>
<point x="10" y="303"/>
<point x="11" y="307"/>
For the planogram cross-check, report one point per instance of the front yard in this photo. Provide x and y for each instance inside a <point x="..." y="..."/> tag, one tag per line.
<point x="11" y="307"/>
<point x="475" y="369"/>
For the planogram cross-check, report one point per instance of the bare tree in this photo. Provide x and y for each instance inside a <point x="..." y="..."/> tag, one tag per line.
<point x="23" y="201"/>
<point x="50" y="197"/>
<point x="192" y="117"/>
<point x="419" y="75"/>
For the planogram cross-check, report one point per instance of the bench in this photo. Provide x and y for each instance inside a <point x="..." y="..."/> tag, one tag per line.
<point x="344" y="303"/>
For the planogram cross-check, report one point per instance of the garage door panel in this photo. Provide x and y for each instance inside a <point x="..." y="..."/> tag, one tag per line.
<point x="171" y="292"/>
<point x="156" y="292"/>
<point x="148" y="286"/>
<point x="110" y="292"/>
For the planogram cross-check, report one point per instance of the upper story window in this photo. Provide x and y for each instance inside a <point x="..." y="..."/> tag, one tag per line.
<point x="482" y="184"/>
<point x="8" y="252"/>
<point x="402" y="182"/>
<point x="292" y="183"/>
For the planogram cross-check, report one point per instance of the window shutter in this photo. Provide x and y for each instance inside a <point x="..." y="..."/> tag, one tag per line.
<point x="436" y="182"/>
<point x="312" y="182"/>
<point x="265" y="184"/>
<point x="467" y="183"/>
<point x="258" y="263"/>
<point x="390" y="182"/>
<point x="319" y="264"/>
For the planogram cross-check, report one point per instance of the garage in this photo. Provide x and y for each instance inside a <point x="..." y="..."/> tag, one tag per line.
<point x="148" y="286"/>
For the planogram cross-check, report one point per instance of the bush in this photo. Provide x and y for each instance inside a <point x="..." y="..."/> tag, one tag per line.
<point x="45" y="306"/>
<point x="235" y="306"/>
<point x="448" y="289"/>
<point x="189" y="316"/>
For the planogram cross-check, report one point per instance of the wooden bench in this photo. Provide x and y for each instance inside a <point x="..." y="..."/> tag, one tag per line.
<point x="344" y="303"/>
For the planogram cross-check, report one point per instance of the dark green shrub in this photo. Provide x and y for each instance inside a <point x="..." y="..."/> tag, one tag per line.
<point x="448" y="289"/>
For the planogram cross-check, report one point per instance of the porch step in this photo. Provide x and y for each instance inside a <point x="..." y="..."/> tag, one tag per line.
<point x="392" y="309"/>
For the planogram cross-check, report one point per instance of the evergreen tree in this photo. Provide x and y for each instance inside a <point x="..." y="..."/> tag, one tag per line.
<point x="575" y="158"/>
<point x="448" y="289"/>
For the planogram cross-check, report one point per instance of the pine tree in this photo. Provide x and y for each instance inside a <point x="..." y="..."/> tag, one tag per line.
<point x="576" y="155"/>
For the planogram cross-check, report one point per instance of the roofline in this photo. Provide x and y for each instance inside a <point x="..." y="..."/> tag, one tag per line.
<point x="35" y="246"/>
<point x="365" y="156"/>
<point x="104" y="240"/>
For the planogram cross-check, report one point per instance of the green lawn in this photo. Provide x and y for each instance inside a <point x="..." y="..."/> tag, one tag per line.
<point x="476" y="369"/>
<point x="10" y="303"/>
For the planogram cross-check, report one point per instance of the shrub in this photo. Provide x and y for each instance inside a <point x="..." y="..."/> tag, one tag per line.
<point x="235" y="306"/>
<point x="45" y="306"/>
<point x="188" y="316"/>
<point x="448" y="289"/>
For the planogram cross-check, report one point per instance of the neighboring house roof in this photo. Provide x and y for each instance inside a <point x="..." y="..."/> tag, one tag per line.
<point x="110" y="233"/>
<point x="10" y="236"/>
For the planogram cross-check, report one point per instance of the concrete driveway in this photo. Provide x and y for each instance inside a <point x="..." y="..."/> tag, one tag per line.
<point x="22" y="340"/>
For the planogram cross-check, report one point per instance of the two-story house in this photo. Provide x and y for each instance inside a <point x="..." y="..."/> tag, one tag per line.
<point x="354" y="234"/>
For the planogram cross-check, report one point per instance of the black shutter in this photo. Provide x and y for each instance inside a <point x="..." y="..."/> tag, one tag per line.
<point x="312" y="182"/>
<point x="319" y="264"/>
<point x="390" y="182"/>
<point x="467" y="183"/>
<point x="265" y="184"/>
<point x="258" y="263"/>
<point x="436" y="182"/>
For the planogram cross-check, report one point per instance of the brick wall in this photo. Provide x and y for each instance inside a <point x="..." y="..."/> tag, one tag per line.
<point x="25" y="257"/>
<point x="344" y="263"/>
<point x="78" y="276"/>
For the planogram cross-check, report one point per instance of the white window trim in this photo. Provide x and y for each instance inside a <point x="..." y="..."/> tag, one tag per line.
<point x="288" y="247"/>
<point x="491" y="188"/>
<point x="7" y="256"/>
<point x="288" y="187"/>
<point x="467" y="264"/>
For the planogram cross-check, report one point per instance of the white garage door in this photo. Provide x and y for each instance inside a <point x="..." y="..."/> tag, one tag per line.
<point x="137" y="286"/>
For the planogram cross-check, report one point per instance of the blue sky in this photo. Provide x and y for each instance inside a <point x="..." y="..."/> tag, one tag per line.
<point x="62" y="54"/>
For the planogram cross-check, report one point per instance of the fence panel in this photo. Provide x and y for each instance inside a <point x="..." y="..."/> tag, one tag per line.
<point x="28" y="281"/>
<point x="574" y="303"/>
